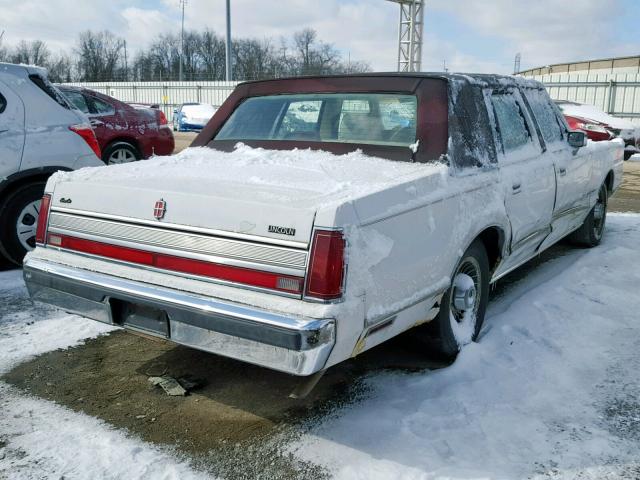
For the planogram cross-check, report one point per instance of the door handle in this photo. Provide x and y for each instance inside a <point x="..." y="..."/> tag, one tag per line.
<point x="4" y="130"/>
<point x="516" y="188"/>
<point x="562" y="171"/>
<point x="96" y="123"/>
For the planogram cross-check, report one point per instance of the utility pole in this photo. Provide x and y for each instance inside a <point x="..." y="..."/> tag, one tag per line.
<point x="516" y="64"/>
<point x="228" y="73"/>
<point x="182" y="3"/>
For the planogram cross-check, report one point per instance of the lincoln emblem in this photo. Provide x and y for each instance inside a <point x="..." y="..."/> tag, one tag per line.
<point x="160" y="209"/>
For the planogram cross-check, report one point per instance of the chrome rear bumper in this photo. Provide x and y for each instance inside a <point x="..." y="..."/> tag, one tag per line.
<point x="291" y="344"/>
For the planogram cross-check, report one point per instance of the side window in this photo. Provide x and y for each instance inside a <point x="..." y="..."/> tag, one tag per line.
<point x="77" y="100"/>
<point x="101" y="108"/>
<point x="510" y="122"/>
<point x="301" y="121"/>
<point x="545" y="114"/>
<point x="3" y="103"/>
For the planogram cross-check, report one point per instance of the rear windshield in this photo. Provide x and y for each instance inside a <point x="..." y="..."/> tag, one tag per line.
<point x="367" y="118"/>
<point x="44" y="85"/>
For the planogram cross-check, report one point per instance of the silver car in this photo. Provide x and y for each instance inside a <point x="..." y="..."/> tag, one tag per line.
<point x="40" y="133"/>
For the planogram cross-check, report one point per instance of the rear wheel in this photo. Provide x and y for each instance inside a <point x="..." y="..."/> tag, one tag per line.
<point x="120" y="152"/>
<point x="19" y="220"/>
<point x="591" y="231"/>
<point x="463" y="305"/>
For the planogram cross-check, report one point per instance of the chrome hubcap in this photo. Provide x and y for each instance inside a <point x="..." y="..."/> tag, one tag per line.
<point x="27" y="224"/>
<point x="600" y="213"/>
<point x="464" y="301"/>
<point x="464" y="292"/>
<point x="121" y="155"/>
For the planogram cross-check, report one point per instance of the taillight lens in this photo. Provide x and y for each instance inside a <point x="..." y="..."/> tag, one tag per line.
<point x="43" y="218"/>
<point x="326" y="267"/>
<point x="89" y="136"/>
<point x="162" y="118"/>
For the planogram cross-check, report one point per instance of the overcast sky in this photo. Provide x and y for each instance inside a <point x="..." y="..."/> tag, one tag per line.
<point x="470" y="35"/>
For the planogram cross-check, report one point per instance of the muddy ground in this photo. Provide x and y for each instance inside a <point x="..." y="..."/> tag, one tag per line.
<point x="238" y="422"/>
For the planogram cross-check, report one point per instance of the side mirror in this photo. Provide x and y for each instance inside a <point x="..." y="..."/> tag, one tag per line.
<point x="577" y="139"/>
<point x="175" y="110"/>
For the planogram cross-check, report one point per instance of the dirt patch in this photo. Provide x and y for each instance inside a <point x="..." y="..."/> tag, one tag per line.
<point x="627" y="198"/>
<point x="235" y="425"/>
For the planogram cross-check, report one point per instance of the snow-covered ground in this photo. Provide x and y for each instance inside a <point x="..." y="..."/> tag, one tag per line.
<point x="551" y="391"/>
<point x="39" y="439"/>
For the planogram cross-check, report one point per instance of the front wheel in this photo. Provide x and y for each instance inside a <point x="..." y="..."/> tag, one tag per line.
<point x="463" y="305"/>
<point x="591" y="231"/>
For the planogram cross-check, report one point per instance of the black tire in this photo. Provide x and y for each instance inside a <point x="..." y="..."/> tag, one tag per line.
<point x="11" y="213"/>
<point x="125" y="150"/>
<point x="438" y="335"/>
<point x="591" y="232"/>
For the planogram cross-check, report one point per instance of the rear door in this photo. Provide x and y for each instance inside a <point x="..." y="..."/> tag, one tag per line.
<point x="104" y="119"/>
<point x="11" y="131"/>
<point x="527" y="176"/>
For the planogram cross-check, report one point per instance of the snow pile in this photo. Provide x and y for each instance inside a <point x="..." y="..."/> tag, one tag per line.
<point x="551" y="390"/>
<point x="44" y="440"/>
<point x="296" y="176"/>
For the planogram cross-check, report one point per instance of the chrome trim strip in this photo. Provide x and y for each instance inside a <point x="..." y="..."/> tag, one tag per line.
<point x="181" y="253"/>
<point x="531" y="236"/>
<point x="567" y="211"/>
<point x="238" y="331"/>
<point x="178" y="274"/>
<point x="182" y="228"/>
<point x="182" y="241"/>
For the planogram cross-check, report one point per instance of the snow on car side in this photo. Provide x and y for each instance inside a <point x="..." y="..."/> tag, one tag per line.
<point x="323" y="216"/>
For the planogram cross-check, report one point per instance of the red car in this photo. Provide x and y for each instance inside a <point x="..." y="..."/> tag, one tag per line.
<point x="125" y="133"/>
<point x="595" y="131"/>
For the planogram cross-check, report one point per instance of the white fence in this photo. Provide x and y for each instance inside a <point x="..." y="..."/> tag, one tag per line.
<point x="166" y="94"/>
<point x="617" y="94"/>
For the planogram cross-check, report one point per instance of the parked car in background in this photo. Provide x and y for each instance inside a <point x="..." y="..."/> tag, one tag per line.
<point x="596" y="119"/>
<point x="39" y="134"/>
<point x="595" y="131"/>
<point x="354" y="208"/>
<point x="192" y="117"/>
<point x="125" y="133"/>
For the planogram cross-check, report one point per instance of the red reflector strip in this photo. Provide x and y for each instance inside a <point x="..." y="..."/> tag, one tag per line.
<point x="256" y="278"/>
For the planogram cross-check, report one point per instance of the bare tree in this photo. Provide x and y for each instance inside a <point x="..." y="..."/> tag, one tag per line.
<point x="99" y="56"/>
<point x="31" y="53"/>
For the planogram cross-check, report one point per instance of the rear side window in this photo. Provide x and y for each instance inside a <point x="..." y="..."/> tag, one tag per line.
<point x="101" y="108"/>
<point x="44" y="85"/>
<point x="77" y="100"/>
<point x="511" y="123"/>
<point x="3" y="103"/>
<point x="546" y="115"/>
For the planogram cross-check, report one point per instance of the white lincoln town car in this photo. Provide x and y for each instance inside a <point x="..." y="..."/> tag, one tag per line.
<point x="317" y="217"/>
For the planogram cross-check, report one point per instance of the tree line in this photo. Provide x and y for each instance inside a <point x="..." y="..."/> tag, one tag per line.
<point x="105" y="57"/>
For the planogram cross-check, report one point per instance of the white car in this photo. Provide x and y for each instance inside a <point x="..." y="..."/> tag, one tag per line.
<point x="192" y="116"/>
<point x="323" y="216"/>
<point x="39" y="135"/>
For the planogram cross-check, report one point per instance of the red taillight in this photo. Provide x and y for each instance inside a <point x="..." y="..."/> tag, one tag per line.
<point x="326" y="267"/>
<point x="43" y="218"/>
<point x="228" y="273"/>
<point x="89" y="136"/>
<point x="162" y="118"/>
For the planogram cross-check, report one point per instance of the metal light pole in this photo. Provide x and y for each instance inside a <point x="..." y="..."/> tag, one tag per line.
<point x="228" y="73"/>
<point x="410" y="35"/>
<point x="182" y="3"/>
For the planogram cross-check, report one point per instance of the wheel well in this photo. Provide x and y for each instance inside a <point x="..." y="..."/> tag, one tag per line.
<point x="609" y="181"/>
<point x="17" y="184"/>
<point x="493" y="240"/>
